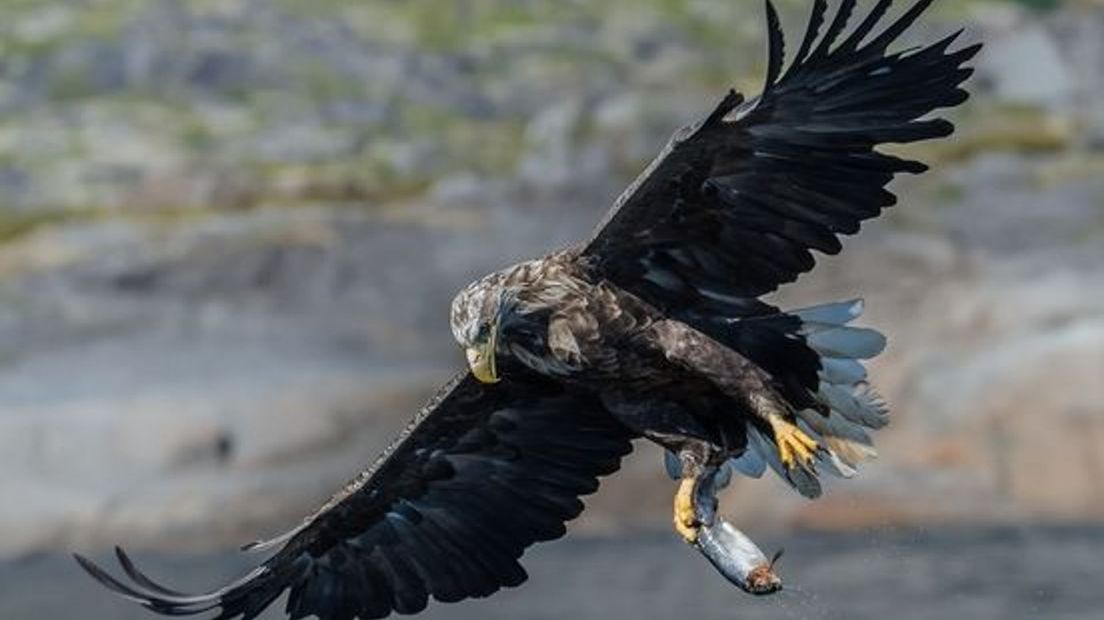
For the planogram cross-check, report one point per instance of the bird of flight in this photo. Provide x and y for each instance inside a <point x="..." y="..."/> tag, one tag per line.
<point x="651" y="328"/>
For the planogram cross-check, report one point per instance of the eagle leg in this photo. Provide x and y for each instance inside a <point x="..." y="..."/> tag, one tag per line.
<point x="686" y="515"/>
<point x="697" y="459"/>
<point x="740" y="379"/>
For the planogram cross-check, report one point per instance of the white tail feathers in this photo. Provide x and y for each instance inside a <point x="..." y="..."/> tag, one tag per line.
<point x="835" y="313"/>
<point x="858" y="403"/>
<point x="841" y="371"/>
<point x="750" y="464"/>
<point x="853" y="407"/>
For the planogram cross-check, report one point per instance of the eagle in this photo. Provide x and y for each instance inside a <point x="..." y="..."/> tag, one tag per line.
<point x="652" y="328"/>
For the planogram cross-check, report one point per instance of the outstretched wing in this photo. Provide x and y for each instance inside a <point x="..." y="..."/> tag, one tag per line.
<point x="734" y="204"/>
<point x="481" y="473"/>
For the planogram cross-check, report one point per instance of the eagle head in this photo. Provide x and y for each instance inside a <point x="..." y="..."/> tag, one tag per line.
<point x="507" y="313"/>
<point x="476" y="319"/>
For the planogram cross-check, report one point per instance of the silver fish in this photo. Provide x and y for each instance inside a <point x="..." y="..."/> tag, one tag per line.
<point x="729" y="550"/>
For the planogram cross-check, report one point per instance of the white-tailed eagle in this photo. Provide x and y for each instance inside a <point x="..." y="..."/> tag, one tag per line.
<point x="651" y="328"/>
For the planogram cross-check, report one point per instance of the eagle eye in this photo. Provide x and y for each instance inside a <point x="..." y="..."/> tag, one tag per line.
<point x="483" y="331"/>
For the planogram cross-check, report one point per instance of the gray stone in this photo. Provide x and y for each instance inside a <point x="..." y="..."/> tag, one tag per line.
<point x="195" y="345"/>
<point x="1026" y="65"/>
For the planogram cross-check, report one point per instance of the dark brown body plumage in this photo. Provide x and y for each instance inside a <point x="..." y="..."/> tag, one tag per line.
<point x="651" y="371"/>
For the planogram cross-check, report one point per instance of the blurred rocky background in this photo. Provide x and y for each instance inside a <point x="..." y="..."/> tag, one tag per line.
<point x="230" y="229"/>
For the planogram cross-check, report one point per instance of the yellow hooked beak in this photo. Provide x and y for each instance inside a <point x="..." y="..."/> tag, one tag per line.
<point x="481" y="358"/>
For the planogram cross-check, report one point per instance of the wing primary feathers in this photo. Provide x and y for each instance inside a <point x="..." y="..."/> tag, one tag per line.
<point x="872" y="18"/>
<point x="891" y="33"/>
<point x="839" y="22"/>
<point x="271" y="543"/>
<point x="157" y="597"/>
<point x="776" y="46"/>
<point x="139" y="577"/>
<point x="729" y="103"/>
<point x="816" y="20"/>
<point x="105" y="579"/>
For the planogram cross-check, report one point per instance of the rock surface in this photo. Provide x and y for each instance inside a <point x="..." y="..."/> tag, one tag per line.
<point x="230" y="233"/>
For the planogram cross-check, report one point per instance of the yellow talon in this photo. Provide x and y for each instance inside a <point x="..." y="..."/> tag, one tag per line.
<point x="686" y="518"/>
<point x="794" y="446"/>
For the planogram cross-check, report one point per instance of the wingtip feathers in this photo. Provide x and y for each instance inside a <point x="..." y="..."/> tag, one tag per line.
<point x="854" y="41"/>
<point x="776" y="46"/>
